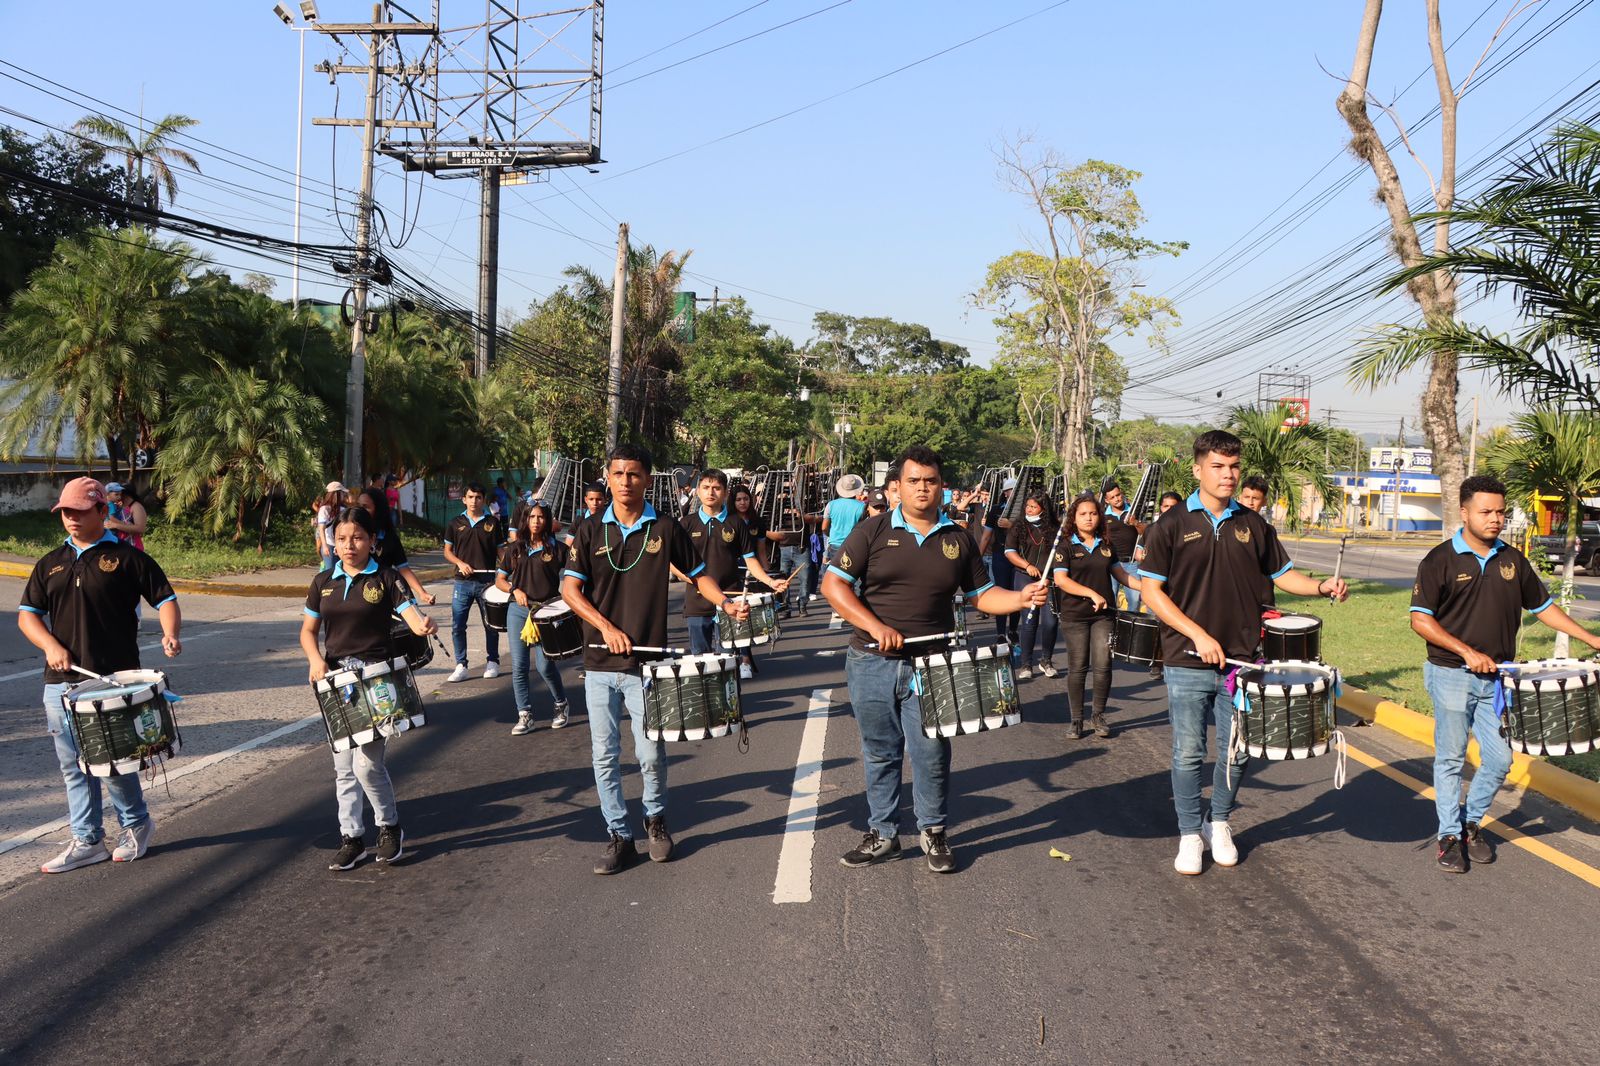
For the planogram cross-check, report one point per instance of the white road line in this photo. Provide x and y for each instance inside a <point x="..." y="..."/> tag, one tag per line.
<point x="27" y="836"/>
<point x="799" y="831"/>
<point x="38" y="671"/>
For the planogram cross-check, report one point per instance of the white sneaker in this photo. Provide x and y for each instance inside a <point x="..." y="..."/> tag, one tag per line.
<point x="492" y="670"/>
<point x="1191" y="854"/>
<point x="1025" y="673"/>
<point x="76" y="854"/>
<point x="560" y="718"/>
<point x="134" y="841"/>
<point x="745" y="673"/>
<point x="1219" y="838"/>
<point x="524" y="724"/>
<point x="459" y="673"/>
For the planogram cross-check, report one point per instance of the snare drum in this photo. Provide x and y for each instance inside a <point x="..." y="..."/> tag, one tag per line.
<point x="496" y="605"/>
<point x="1552" y="706"/>
<point x="1293" y="637"/>
<point x="1284" y="710"/>
<point x="557" y="631"/>
<point x="691" y="698"/>
<point x="414" y="647"/>
<point x="967" y="691"/>
<point x="759" y="628"/>
<point x="361" y="704"/>
<point x="1136" y="638"/>
<point x="122" y="724"/>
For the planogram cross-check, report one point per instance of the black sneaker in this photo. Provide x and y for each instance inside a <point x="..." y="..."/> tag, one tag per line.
<point x="1479" y="850"/>
<point x="872" y="849"/>
<point x="660" y="839"/>
<point x="937" y="850"/>
<point x="391" y="843"/>
<point x="1074" y="730"/>
<point x="1102" y="728"/>
<point x="618" y="854"/>
<point x="1451" y="858"/>
<point x="351" y="851"/>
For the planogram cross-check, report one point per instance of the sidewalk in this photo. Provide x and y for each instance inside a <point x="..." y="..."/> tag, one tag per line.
<point x="288" y="582"/>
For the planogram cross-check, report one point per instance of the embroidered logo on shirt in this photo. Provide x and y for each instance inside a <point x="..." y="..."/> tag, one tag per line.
<point x="1508" y="570"/>
<point x="844" y="560"/>
<point x="54" y="570"/>
<point x="653" y="545"/>
<point x="488" y="527"/>
<point x="727" y="535"/>
<point x="327" y="592"/>
<point x="951" y="549"/>
<point x="107" y="564"/>
<point x="892" y="542"/>
<point x="548" y="557"/>
<point x="1242" y="534"/>
<point x="372" y="593"/>
<point x="1463" y="577"/>
<point x="1106" y="552"/>
<point x="695" y="534"/>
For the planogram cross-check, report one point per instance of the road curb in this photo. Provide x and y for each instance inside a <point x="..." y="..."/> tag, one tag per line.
<point x="233" y="588"/>
<point x="1527" y="772"/>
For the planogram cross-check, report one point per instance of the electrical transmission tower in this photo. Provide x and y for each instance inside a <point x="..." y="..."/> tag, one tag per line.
<point x="503" y="99"/>
<point x="1291" y="390"/>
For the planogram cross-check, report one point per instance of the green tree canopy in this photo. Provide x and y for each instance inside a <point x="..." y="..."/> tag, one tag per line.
<point x="847" y="344"/>
<point x="738" y="379"/>
<point x="1292" y="459"/>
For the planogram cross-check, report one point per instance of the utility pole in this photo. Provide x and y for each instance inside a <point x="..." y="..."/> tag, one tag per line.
<point x="378" y="33"/>
<point x="619" y="295"/>
<point x="1472" y="448"/>
<point x="488" y="269"/>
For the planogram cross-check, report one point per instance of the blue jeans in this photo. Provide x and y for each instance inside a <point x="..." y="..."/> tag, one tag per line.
<point x="83" y="790"/>
<point x="468" y="591"/>
<point x="1463" y="706"/>
<point x="1037" y="628"/>
<point x="1195" y="694"/>
<point x="889" y="716"/>
<point x="798" y="562"/>
<point x="607" y="693"/>
<point x="702" y="635"/>
<point x="1131" y="593"/>
<point x="516" y="618"/>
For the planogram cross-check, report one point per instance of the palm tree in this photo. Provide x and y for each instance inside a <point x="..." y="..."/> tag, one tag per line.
<point x="235" y="439"/>
<point x="94" y="343"/>
<point x="1291" y="458"/>
<point x="153" y="149"/>
<point x="1551" y="453"/>
<point x="1536" y="233"/>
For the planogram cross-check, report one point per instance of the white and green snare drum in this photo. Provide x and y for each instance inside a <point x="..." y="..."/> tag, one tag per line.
<point x="691" y="698"/>
<point x="759" y="628"/>
<point x="1552" y="706"/>
<point x="362" y="703"/>
<point x="967" y="690"/>
<point x="123" y="723"/>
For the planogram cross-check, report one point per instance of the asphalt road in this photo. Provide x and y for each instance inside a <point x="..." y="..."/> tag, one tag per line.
<point x="1334" y="940"/>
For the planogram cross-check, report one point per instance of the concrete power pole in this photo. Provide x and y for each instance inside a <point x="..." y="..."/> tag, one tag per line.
<point x="488" y="270"/>
<point x="619" y="297"/>
<point x="1472" y="449"/>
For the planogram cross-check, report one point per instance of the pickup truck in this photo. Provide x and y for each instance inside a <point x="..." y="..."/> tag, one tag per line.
<point x="1555" y="547"/>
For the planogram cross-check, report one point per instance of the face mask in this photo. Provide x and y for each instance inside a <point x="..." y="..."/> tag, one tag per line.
<point x="1034" y="518"/>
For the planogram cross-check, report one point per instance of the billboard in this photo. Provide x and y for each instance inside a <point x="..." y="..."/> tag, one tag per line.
<point x="1298" y="411"/>
<point x="1412" y="460"/>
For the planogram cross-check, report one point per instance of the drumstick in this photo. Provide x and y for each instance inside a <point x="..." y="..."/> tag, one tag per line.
<point x="872" y="645"/>
<point x="650" y="650"/>
<point x="1231" y="662"/>
<point x="1338" y="565"/>
<point x="91" y="673"/>
<point x="1044" y="573"/>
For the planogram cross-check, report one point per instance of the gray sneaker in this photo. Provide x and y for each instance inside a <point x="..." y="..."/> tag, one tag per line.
<point x="561" y="715"/>
<point x="524" y="724"/>
<point x="77" y="853"/>
<point x="134" y="841"/>
<point x="873" y="849"/>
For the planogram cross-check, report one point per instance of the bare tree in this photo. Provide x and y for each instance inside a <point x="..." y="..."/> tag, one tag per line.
<point x="1434" y="291"/>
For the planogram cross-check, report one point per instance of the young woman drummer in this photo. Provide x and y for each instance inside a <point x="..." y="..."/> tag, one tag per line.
<point x="1085" y="567"/>
<point x="1027" y="544"/>
<point x="351" y="607"/>
<point x="530" y="569"/>
<point x="388" y="550"/>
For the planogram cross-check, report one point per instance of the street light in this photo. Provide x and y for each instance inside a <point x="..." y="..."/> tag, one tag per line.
<point x="309" y="11"/>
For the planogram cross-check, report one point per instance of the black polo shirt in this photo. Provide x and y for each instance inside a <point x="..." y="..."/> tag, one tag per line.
<point x="1477" y="599"/>
<point x="389" y="551"/>
<point x="1123" y="535"/>
<point x="624" y="570"/>
<point x="909" y="580"/>
<point x="358" y="612"/>
<point x="475" y="543"/>
<point x="89" y="598"/>
<point x="1089" y="564"/>
<point x="722" y="542"/>
<point x="1213" y="570"/>
<point x="758" y="536"/>
<point x="1032" y="541"/>
<point x="537" y="572"/>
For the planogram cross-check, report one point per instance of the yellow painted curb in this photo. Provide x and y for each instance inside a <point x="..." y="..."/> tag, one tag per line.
<point x="233" y="588"/>
<point x="1528" y="772"/>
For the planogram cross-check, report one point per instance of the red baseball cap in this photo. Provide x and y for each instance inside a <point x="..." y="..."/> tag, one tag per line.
<point x="80" y="494"/>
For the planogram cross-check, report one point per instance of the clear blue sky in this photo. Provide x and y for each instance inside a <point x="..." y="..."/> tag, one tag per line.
<point x="884" y="201"/>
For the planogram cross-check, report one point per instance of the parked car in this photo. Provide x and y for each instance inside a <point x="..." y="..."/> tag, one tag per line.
<point x="1555" y="547"/>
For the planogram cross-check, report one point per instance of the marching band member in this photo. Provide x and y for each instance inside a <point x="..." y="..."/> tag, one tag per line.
<point x="530" y="569"/>
<point x="351" y="608"/>
<point x="722" y="542"/>
<point x="1253" y="494"/>
<point x="471" y="543"/>
<point x="895" y="577"/>
<point x="1088" y="570"/>
<point x="1123" y="533"/>
<point x="1467" y="603"/>
<point x="78" y="608"/>
<point x="1027" y="544"/>
<point x="1203" y="564"/>
<point x="616" y="581"/>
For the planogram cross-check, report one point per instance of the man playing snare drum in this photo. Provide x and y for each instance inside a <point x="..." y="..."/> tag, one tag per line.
<point x="78" y="608"/>
<point x="894" y="579"/>
<point x="1467" y="603"/>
